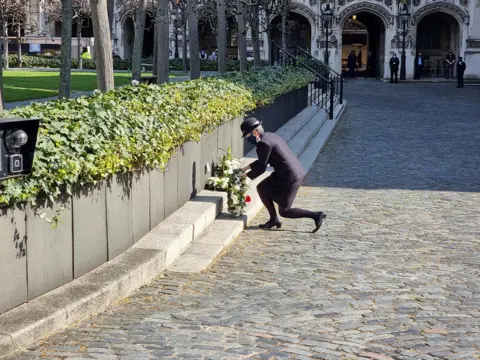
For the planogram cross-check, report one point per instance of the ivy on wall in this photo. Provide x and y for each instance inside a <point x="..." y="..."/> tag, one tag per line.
<point x="87" y="139"/>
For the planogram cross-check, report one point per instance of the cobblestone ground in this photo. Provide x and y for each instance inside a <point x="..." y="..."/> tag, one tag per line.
<point x="393" y="274"/>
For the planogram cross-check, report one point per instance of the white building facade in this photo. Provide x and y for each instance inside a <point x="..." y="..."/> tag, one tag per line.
<point x="434" y="27"/>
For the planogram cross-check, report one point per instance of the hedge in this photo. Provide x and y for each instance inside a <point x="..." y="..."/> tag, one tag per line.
<point x="118" y="64"/>
<point x="87" y="139"/>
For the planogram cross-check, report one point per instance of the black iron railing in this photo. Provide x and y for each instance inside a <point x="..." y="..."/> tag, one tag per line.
<point x="327" y="88"/>
<point x="309" y="59"/>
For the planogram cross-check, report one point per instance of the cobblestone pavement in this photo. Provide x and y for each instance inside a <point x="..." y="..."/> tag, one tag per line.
<point x="393" y="273"/>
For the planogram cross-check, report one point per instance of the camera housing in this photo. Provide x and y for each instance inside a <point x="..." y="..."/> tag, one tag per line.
<point x="18" y="139"/>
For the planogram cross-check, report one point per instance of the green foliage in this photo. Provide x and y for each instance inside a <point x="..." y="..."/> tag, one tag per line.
<point x="118" y="64"/>
<point x="87" y="139"/>
<point x="209" y="65"/>
<point x="270" y="83"/>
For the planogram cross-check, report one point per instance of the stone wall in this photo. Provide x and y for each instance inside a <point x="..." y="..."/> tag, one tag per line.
<point x="101" y="221"/>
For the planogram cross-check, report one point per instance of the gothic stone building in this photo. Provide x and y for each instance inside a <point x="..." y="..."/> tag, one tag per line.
<point x="433" y="29"/>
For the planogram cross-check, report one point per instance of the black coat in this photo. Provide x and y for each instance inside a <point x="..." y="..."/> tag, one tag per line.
<point x="461" y="66"/>
<point x="394" y="62"/>
<point x="274" y="151"/>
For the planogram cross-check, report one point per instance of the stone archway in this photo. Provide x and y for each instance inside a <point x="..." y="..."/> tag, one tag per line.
<point x="299" y="31"/>
<point x="437" y="28"/>
<point x="128" y="36"/>
<point x="376" y="19"/>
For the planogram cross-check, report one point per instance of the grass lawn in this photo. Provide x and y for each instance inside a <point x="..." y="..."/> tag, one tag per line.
<point x="27" y="85"/>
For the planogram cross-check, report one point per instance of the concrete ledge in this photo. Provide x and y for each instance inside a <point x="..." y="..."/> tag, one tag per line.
<point x="159" y="249"/>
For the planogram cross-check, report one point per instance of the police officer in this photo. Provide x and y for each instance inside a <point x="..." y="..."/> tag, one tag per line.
<point x="461" y="66"/>
<point x="282" y="185"/>
<point x="394" y="62"/>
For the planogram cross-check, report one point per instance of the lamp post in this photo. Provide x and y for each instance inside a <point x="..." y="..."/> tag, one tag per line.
<point x="327" y="17"/>
<point x="404" y="16"/>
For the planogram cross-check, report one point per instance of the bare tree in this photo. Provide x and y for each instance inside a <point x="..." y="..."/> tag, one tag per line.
<point x="103" y="45"/>
<point x="9" y="10"/>
<point x="193" y="39"/>
<point x="2" y="106"/>
<point x="242" y="35"/>
<point x="253" y="19"/>
<point x="162" y="22"/>
<point x="23" y="25"/>
<point x="179" y="10"/>
<point x="80" y="13"/>
<point x="138" y="41"/>
<point x="66" y="50"/>
<point x="222" y="36"/>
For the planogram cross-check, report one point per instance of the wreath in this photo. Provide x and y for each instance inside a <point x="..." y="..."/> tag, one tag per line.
<point x="228" y="176"/>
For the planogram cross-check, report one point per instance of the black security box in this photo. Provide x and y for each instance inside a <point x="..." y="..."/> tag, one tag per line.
<point x="18" y="139"/>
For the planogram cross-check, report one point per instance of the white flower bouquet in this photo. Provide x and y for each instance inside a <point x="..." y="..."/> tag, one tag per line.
<point x="228" y="176"/>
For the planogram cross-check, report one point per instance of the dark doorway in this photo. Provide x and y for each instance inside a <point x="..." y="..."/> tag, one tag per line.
<point x="437" y="33"/>
<point x="299" y="31"/>
<point x="128" y="38"/>
<point x="364" y="32"/>
<point x="206" y="35"/>
<point x="148" y="37"/>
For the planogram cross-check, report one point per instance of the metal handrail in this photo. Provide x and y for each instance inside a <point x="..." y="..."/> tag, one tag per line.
<point x="299" y="61"/>
<point x="317" y="60"/>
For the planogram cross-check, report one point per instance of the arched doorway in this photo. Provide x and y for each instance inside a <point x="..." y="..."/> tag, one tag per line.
<point x="299" y="31"/>
<point x="148" y="37"/>
<point x="207" y="34"/>
<point x="128" y="36"/>
<point x="364" y="33"/>
<point x="437" y="33"/>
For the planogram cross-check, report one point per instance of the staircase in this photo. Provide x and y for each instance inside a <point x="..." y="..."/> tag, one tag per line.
<point x="326" y="91"/>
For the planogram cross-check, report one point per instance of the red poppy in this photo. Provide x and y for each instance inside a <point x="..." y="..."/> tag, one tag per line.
<point x="248" y="199"/>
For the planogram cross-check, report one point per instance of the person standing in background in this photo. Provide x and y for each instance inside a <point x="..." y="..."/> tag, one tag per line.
<point x="450" y="65"/>
<point x="394" y="63"/>
<point x="419" y="64"/>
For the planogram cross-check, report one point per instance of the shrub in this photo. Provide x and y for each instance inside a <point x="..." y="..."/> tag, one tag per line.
<point x="118" y="64"/>
<point x="87" y="139"/>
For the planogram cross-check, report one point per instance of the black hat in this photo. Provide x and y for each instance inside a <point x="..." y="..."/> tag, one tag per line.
<point x="248" y="125"/>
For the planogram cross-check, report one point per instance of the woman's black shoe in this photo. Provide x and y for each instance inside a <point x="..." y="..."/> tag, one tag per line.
<point x="270" y="224"/>
<point x="318" y="221"/>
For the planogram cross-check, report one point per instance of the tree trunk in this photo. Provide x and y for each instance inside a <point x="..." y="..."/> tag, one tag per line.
<point x="155" y="49"/>
<point x="242" y="36"/>
<point x="184" y="48"/>
<point x="284" y="29"/>
<point x="221" y="36"/>
<point x="163" y="62"/>
<point x="269" y="32"/>
<point x="103" y="45"/>
<point x="5" y="45"/>
<point x="66" y="50"/>
<point x="19" y="42"/>
<point x="79" y="43"/>
<point x="138" y="40"/>
<point x="2" y="106"/>
<point x="257" y="61"/>
<point x="193" y="39"/>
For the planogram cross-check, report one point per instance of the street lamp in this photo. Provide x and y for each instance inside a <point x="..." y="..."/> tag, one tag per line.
<point x="404" y="16"/>
<point x="327" y="17"/>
